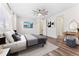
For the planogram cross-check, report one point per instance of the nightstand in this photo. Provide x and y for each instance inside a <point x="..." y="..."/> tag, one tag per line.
<point x="2" y="40"/>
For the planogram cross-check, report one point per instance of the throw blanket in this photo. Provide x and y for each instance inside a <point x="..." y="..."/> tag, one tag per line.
<point x="31" y="40"/>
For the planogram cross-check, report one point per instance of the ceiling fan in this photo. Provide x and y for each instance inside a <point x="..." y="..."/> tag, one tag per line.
<point x="39" y="12"/>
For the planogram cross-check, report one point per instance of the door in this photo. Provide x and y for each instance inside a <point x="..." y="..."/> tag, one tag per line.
<point x="59" y="25"/>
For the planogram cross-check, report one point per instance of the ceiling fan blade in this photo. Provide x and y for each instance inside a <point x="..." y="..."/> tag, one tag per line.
<point x="43" y="12"/>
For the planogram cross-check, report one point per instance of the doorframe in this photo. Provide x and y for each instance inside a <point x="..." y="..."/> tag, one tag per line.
<point x="59" y="17"/>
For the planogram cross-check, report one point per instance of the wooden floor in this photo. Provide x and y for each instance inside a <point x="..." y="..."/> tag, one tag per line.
<point x="63" y="49"/>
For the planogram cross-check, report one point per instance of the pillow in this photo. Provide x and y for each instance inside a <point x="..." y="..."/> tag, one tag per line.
<point x="69" y="37"/>
<point x="8" y="35"/>
<point x="16" y="37"/>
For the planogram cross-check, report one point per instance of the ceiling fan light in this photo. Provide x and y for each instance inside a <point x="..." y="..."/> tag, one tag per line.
<point x="39" y="14"/>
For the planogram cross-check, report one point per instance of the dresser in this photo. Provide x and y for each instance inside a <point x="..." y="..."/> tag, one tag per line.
<point x="71" y="33"/>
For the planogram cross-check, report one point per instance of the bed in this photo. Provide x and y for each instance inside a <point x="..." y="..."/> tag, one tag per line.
<point x="33" y="39"/>
<point x="25" y="41"/>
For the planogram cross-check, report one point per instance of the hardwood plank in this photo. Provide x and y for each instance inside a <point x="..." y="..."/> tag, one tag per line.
<point x="63" y="49"/>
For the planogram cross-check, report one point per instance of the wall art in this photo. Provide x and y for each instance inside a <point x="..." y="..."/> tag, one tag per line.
<point x="28" y="25"/>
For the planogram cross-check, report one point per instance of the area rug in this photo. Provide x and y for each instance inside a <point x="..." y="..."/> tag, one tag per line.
<point x="38" y="51"/>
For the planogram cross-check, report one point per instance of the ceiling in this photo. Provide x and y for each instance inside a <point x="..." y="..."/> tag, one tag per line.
<point x="25" y="9"/>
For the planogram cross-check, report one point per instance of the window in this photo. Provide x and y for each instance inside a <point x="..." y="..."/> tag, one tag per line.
<point x="2" y="19"/>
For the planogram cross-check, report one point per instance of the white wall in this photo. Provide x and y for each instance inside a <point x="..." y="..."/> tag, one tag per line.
<point x="51" y="31"/>
<point x="69" y="15"/>
<point x="36" y="25"/>
<point x="23" y="30"/>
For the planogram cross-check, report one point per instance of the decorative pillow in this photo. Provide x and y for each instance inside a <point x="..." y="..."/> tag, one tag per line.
<point x="16" y="37"/>
<point x="69" y="37"/>
<point x="8" y="35"/>
<point x="16" y="32"/>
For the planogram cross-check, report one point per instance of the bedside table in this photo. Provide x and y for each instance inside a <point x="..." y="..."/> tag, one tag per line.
<point x="2" y="40"/>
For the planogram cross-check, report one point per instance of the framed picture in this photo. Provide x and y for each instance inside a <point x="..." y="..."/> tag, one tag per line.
<point x="50" y="24"/>
<point x="28" y="25"/>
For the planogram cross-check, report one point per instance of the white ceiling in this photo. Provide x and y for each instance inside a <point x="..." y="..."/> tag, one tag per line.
<point x="25" y="9"/>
